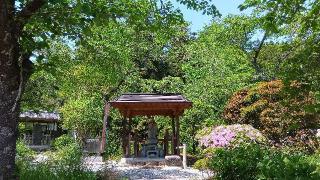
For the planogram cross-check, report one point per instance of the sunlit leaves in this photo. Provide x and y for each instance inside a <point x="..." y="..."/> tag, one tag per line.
<point x="275" y="14"/>
<point x="206" y="6"/>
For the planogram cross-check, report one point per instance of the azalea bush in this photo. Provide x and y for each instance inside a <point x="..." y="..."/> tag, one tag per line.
<point x="243" y="152"/>
<point x="230" y="136"/>
<point x="284" y="119"/>
<point x="230" y="150"/>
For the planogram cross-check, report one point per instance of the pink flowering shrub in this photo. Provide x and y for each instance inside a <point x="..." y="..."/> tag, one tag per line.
<point x="231" y="136"/>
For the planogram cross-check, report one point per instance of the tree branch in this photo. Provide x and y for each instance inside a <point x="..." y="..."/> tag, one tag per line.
<point x="257" y="51"/>
<point x="26" y="67"/>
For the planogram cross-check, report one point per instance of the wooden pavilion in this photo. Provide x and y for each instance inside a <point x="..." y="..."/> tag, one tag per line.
<point x="148" y="104"/>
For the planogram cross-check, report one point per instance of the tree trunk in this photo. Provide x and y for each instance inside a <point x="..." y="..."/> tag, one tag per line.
<point x="9" y="90"/>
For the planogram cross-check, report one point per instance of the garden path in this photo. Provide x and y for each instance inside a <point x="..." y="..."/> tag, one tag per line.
<point x="113" y="169"/>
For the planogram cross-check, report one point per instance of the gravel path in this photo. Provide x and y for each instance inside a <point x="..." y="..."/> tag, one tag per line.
<point x="140" y="172"/>
<point x="160" y="173"/>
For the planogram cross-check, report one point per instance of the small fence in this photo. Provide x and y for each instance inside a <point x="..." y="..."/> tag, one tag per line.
<point x="92" y="145"/>
<point x="45" y="140"/>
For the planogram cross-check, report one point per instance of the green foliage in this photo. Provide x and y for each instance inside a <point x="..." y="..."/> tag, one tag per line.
<point x="109" y="52"/>
<point x="282" y="165"/>
<point x="62" y="141"/>
<point x="41" y="92"/>
<point x="42" y="171"/>
<point x="203" y="5"/>
<point x="24" y="153"/>
<point x="64" y="163"/>
<point x="277" y="14"/>
<point x="294" y="27"/>
<point x="213" y="73"/>
<point x="253" y="161"/>
<point x="217" y="66"/>
<point x="97" y="49"/>
<point x="202" y="164"/>
<point x="67" y="157"/>
<point x="302" y="65"/>
<point x="238" y="163"/>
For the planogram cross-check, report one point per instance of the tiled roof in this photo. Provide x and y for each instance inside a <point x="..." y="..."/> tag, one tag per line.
<point x="149" y="97"/>
<point x="44" y="116"/>
<point x="148" y="104"/>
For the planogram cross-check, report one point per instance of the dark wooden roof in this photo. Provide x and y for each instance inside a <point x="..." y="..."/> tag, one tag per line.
<point x="41" y="117"/>
<point x="148" y="104"/>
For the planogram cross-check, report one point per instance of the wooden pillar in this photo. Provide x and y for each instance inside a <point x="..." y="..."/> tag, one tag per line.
<point x="177" y="135"/>
<point x="104" y="128"/>
<point x="173" y="144"/>
<point x="136" y="145"/>
<point x="165" y="142"/>
<point x="128" y="149"/>
<point x="124" y="135"/>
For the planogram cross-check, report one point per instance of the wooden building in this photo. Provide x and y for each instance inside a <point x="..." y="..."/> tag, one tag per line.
<point x="40" y="128"/>
<point x="148" y="104"/>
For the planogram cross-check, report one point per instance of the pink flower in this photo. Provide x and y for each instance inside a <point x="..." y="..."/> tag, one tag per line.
<point x="223" y="136"/>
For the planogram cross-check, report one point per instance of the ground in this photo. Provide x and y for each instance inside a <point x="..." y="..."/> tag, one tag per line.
<point x="115" y="171"/>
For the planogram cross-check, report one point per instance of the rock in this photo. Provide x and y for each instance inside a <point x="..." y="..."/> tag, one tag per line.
<point x="173" y="160"/>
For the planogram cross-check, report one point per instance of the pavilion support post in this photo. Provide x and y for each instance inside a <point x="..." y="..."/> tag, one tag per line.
<point x="173" y="144"/>
<point x="177" y="135"/>
<point x="104" y="128"/>
<point x="165" y="142"/>
<point x="136" y="145"/>
<point x="128" y="149"/>
<point x="125" y="140"/>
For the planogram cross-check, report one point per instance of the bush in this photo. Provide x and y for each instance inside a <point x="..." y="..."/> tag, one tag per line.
<point x="237" y="163"/>
<point x="64" y="163"/>
<point x="62" y="141"/>
<point x="283" y="165"/>
<point x="230" y="136"/>
<point x="29" y="171"/>
<point x="276" y="114"/>
<point x="202" y="164"/>
<point x="252" y="161"/>
<point x="24" y="152"/>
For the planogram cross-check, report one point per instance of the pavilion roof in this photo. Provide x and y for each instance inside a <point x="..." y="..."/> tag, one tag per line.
<point x="40" y="116"/>
<point x="150" y="104"/>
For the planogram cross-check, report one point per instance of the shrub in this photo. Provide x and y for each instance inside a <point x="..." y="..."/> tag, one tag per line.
<point x="24" y="152"/>
<point x="275" y="113"/>
<point x="28" y="171"/>
<point x="202" y="164"/>
<point x="62" y="141"/>
<point x="67" y="157"/>
<point x="231" y="136"/>
<point x="237" y="163"/>
<point x="252" y="161"/>
<point x="282" y="165"/>
<point x="64" y="163"/>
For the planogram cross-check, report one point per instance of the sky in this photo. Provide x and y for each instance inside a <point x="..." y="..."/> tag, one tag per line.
<point x="198" y="21"/>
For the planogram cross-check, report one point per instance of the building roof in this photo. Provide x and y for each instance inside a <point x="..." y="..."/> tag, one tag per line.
<point x="149" y="104"/>
<point x="40" y="116"/>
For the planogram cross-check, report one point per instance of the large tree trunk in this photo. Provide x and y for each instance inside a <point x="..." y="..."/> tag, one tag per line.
<point x="9" y="90"/>
<point x="15" y="69"/>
